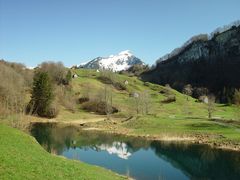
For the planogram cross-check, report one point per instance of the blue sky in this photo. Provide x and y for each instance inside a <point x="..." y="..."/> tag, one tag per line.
<point x="73" y="31"/>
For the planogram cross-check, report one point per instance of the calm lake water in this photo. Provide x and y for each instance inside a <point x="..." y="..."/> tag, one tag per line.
<point x="138" y="158"/>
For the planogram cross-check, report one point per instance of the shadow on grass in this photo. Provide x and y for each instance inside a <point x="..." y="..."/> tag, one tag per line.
<point x="198" y="118"/>
<point x="205" y="125"/>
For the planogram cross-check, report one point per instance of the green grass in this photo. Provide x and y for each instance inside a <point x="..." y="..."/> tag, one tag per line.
<point x="22" y="157"/>
<point x="178" y="126"/>
<point x="88" y="81"/>
<point x="183" y="117"/>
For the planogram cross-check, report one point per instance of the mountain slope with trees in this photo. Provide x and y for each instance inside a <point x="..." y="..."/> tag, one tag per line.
<point x="203" y="62"/>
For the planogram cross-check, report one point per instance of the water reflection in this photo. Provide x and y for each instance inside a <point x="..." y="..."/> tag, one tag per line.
<point x="137" y="157"/>
<point x="118" y="148"/>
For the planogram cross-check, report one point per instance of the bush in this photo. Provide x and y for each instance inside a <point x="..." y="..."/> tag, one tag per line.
<point x="237" y="97"/>
<point x="169" y="99"/>
<point x="120" y="86"/>
<point x="108" y="77"/>
<point x="52" y="112"/>
<point x="165" y="91"/>
<point x="83" y="100"/>
<point x="200" y="91"/>
<point x="99" y="107"/>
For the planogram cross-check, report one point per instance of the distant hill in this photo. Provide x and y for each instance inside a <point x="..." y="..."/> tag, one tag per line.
<point x="210" y="61"/>
<point x="123" y="61"/>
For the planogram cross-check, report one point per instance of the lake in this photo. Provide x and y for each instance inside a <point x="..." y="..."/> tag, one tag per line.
<point x="136" y="157"/>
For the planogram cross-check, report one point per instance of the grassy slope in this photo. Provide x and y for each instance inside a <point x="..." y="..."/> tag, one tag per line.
<point x="182" y="117"/>
<point x="22" y="158"/>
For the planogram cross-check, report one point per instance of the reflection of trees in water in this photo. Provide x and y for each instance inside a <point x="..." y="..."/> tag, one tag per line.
<point x="42" y="133"/>
<point x="200" y="161"/>
<point x="53" y="138"/>
<point x="208" y="154"/>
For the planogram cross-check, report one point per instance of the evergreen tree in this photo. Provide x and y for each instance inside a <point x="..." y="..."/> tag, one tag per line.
<point x="42" y="95"/>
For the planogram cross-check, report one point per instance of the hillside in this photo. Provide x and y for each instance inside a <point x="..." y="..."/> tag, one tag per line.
<point x="204" y="61"/>
<point x="183" y="118"/>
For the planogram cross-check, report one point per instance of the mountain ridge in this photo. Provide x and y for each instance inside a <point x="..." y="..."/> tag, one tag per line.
<point x="122" y="61"/>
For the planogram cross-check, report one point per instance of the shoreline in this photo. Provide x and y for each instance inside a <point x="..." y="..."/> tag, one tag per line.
<point x="191" y="138"/>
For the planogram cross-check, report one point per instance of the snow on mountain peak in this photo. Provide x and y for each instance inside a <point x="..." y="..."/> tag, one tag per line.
<point x="122" y="61"/>
<point x="126" y="53"/>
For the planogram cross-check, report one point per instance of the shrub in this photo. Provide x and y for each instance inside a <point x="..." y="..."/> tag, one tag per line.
<point x="83" y="100"/>
<point x="120" y="86"/>
<point x="169" y="99"/>
<point x="237" y="97"/>
<point x="99" y="107"/>
<point x="108" y="77"/>
<point x="200" y="91"/>
<point x="52" y="111"/>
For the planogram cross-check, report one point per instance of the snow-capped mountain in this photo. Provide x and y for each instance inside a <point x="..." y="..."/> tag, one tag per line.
<point x="123" y="61"/>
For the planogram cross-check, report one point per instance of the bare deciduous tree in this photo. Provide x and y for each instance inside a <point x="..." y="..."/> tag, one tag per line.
<point x="145" y="102"/>
<point x="187" y="90"/>
<point x="141" y="102"/>
<point x="211" y="105"/>
<point x="12" y="90"/>
<point x="56" y="71"/>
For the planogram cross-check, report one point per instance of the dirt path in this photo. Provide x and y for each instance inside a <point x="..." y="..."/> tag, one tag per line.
<point x="70" y="122"/>
<point x="84" y="121"/>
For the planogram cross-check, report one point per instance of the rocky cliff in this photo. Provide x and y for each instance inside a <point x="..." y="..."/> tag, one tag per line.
<point x="204" y="61"/>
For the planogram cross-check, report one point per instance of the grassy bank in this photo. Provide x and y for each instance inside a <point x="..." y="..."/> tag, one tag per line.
<point x="22" y="157"/>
